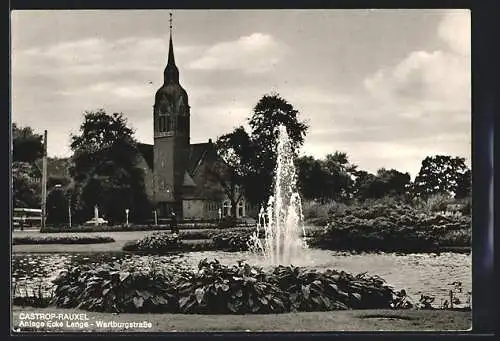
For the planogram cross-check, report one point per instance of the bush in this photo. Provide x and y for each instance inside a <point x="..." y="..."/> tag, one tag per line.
<point x="61" y="240"/>
<point x="317" y="210"/>
<point x="217" y="289"/>
<point x="112" y="288"/>
<point x="227" y="222"/>
<point x="393" y="228"/>
<point x="232" y="240"/>
<point x="158" y="242"/>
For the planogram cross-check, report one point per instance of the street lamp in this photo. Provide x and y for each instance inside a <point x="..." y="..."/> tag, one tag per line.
<point x="126" y="212"/>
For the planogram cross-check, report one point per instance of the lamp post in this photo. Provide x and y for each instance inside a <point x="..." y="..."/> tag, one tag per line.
<point x="126" y="213"/>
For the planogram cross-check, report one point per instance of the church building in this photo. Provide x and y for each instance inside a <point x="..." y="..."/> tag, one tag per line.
<point x="178" y="174"/>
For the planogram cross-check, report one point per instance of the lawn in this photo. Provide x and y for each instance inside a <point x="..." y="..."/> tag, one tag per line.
<point x="348" y="320"/>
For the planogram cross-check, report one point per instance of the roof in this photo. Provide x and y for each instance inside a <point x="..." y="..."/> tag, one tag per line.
<point x="146" y="150"/>
<point x="197" y="153"/>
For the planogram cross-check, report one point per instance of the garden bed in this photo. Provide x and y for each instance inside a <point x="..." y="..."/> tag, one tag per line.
<point x="217" y="289"/>
<point x="34" y="240"/>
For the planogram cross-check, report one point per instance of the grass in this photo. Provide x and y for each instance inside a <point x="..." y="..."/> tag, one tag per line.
<point x="348" y="320"/>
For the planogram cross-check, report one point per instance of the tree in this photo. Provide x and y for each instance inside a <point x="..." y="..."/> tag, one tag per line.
<point x="236" y="152"/>
<point x="269" y="113"/>
<point x="341" y="175"/>
<point x="440" y="174"/>
<point x="26" y="193"/>
<point x="393" y="182"/>
<point x="311" y="178"/>
<point x="464" y="185"/>
<point x="26" y="145"/>
<point x="104" y="169"/>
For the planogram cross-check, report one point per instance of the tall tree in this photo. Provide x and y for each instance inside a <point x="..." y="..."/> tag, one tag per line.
<point x="439" y="174"/>
<point x="236" y="151"/>
<point x="27" y="145"/>
<point x="269" y="113"/>
<point x="312" y="178"/>
<point x="341" y="175"/>
<point x="104" y="168"/>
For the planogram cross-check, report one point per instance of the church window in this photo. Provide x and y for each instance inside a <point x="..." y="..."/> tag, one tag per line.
<point x="226" y="208"/>
<point x="162" y="123"/>
<point x="169" y="125"/>
<point x="241" y="209"/>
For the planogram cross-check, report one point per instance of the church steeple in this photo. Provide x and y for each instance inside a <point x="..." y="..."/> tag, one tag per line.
<point x="171" y="73"/>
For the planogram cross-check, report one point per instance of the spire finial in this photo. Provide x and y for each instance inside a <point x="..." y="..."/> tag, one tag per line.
<point x="170" y="22"/>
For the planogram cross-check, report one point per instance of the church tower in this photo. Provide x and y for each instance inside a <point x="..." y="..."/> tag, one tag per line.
<point x="171" y="117"/>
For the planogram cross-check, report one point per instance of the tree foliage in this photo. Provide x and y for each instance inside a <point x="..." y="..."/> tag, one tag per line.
<point x="27" y="145"/>
<point x="442" y="174"/>
<point x="104" y="168"/>
<point x="268" y="114"/>
<point x="26" y="193"/>
<point x="236" y="151"/>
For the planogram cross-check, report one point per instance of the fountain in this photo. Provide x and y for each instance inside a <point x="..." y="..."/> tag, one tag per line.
<point x="282" y="220"/>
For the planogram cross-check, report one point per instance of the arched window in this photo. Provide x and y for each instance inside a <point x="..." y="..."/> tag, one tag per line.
<point x="169" y="125"/>
<point x="240" y="212"/>
<point x="226" y="208"/>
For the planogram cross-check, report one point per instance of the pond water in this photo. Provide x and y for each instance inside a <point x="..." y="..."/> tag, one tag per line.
<point x="419" y="274"/>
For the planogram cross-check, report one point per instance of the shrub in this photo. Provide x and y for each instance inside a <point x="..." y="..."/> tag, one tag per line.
<point x="157" y="242"/>
<point x="217" y="289"/>
<point x="318" y="210"/>
<point x="61" y="240"/>
<point x="111" y="288"/>
<point x="227" y="222"/>
<point x="393" y="228"/>
<point x="232" y="240"/>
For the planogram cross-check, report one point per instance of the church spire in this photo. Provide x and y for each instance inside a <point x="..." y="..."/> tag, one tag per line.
<point x="171" y="58"/>
<point x="171" y="73"/>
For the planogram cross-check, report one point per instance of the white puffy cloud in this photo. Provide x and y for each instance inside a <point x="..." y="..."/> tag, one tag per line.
<point x="429" y="83"/>
<point x="255" y="53"/>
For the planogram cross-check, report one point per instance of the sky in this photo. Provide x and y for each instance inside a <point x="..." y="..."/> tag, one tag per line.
<point x="387" y="87"/>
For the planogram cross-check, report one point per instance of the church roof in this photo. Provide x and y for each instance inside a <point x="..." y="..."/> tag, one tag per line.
<point x="198" y="152"/>
<point x="146" y="151"/>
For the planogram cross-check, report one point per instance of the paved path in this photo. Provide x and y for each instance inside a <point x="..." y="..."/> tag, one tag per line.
<point x="121" y="238"/>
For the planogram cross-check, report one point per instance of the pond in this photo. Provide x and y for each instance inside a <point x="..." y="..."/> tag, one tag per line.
<point x="419" y="274"/>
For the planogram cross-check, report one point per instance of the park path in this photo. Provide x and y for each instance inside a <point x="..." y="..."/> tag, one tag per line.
<point x="120" y="237"/>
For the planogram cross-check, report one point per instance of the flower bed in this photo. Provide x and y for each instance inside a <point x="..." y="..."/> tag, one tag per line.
<point x="393" y="228"/>
<point x="217" y="289"/>
<point x="156" y="242"/>
<point x="61" y="240"/>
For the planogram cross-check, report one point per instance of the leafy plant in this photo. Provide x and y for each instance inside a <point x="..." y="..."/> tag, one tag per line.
<point x="156" y="242"/>
<point x="232" y="241"/>
<point x="217" y="289"/>
<point x="111" y="288"/>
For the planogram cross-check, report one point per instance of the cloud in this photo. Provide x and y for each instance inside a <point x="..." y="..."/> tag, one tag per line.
<point x="255" y="53"/>
<point x="428" y="88"/>
<point x="123" y="90"/>
<point x="97" y="56"/>
<point x="455" y="29"/>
